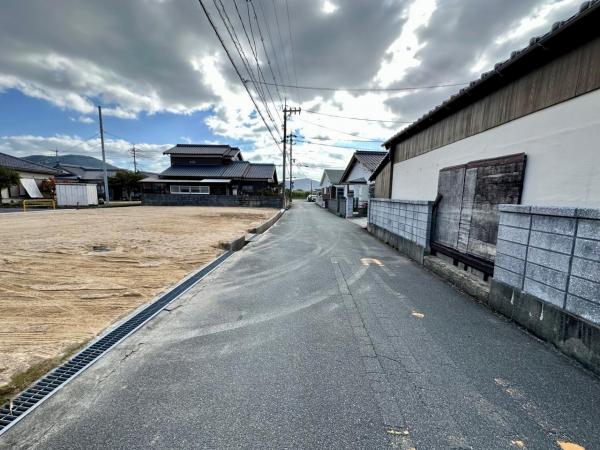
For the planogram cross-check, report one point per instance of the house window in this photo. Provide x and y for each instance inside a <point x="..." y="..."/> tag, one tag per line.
<point x="176" y="189"/>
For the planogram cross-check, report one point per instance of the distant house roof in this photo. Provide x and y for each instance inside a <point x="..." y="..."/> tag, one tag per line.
<point x="84" y="173"/>
<point x="19" y="164"/>
<point x="334" y="175"/>
<point x="562" y="37"/>
<point x="237" y="169"/>
<point x="370" y="159"/>
<point x="225" y="151"/>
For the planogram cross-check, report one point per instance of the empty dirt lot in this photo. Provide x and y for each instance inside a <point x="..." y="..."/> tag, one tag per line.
<point x="66" y="275"/>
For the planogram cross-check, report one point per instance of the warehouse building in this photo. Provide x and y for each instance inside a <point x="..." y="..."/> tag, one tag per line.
<point x="503" y="180"/>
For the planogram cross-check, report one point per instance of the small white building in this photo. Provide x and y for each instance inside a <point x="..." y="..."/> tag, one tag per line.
<point x="355" y="178"/>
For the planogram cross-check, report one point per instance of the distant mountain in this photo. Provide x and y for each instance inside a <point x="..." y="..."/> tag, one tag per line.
<point x="77" y="160"/>
<point x="302" y="184"/>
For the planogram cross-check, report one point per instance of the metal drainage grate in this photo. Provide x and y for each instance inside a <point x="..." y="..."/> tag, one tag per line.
<point x="45" y="387"/>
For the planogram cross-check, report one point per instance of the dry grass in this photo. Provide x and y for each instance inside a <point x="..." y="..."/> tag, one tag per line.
<point x="56" y="291"/>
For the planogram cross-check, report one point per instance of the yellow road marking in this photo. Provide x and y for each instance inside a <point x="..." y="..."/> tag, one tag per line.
<point x="569" y="446"/>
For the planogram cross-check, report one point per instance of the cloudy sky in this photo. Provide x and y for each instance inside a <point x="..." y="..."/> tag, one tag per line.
<point x="162" y="77"/>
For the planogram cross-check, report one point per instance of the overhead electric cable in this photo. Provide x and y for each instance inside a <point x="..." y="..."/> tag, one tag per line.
<point x="341" y="132"/>
<point x="331" y="88"/>
<point x="356" y="118"/>
<point x="238" y="72"/>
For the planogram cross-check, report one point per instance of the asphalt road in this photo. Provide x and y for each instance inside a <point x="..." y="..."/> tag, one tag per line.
<point x="301" y="341"/>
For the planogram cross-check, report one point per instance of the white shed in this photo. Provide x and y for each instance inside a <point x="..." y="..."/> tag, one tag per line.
<point x="76" y="194"/>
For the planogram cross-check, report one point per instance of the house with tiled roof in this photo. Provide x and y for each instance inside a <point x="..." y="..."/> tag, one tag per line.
<point x="356" y="180"/>
<point x="32" y="176"/>
<point x="202" y="174"/>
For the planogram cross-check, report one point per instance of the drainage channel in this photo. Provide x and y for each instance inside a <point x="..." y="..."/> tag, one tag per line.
<point x="12" y="412"/>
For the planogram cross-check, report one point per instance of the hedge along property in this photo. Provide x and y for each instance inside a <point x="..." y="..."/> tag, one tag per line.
<point x="214" y="175"/>
<point x="503" y="180"/>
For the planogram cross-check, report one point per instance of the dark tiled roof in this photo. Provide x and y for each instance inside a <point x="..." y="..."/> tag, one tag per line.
<point x="369" y="159"/>
<point x="203" y="150"/>
<point x="380" y="167"/>
<point x="334" y="175"/>
<point x="260" y="171"/>
<point x="239" y="169"/>
<point x="12" y="162"/>
<point x="562" y="36"/>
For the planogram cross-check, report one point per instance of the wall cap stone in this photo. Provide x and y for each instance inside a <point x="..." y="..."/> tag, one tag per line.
<point x="410" y="202"/>
<point x="520" y="209"/>
<point x="558" y="211"/>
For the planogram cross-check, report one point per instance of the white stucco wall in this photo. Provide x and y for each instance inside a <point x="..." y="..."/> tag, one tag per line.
<point x="361" y="191"/>
<point x="562" y="144"/>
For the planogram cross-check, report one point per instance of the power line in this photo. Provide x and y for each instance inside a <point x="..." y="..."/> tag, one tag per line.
<point x="237" y="71"/>
<point x="262" y="40"/>
<point x="330" y="88"/>
<point x="287" y="7"/>
<point x="341" y="132"/>
<point x="357" y="118"/>
<point x="304" y="141"/>
<point x="245" y="61"/>
<point x="283" y="52"/>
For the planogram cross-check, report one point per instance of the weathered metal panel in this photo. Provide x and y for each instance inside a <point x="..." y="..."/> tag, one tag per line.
<point x="447" y="221"/>
<point x="467" y="216"/>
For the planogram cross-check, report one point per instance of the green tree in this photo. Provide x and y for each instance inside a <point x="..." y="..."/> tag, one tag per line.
<point x="125" y="182"/>
<point x="8" y="178"/>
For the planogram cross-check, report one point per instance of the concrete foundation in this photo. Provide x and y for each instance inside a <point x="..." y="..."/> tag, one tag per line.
<point x="402" y="244"/>
<point x="573" y="335"/>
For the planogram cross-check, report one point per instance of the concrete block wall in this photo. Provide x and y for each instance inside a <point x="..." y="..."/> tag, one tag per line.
<point x="409" y="219"/>
<point x="553" y="254"/>
<point x="210" y="200"/>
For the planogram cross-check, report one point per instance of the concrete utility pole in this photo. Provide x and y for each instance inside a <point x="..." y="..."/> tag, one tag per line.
<point x="287" y="112"/>
<point x="133" y="151"/>
<point x="292" y="136"/>
<point x="106" y="194"/>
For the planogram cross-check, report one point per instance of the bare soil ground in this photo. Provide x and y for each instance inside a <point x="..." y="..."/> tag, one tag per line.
<point x="67" y="275"/>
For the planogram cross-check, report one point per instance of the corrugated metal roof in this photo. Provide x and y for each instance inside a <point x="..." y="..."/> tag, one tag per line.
<point x="203" y="150"/>
<point x="12" y="162"/>
<point x="540" y="50"/>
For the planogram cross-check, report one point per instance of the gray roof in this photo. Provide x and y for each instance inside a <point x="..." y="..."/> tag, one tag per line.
<point x="19" y="164"/>
<point x="84" y="173"/>
<point x="369" y="159"/>
<point x="334" y="175"/>
<point x="203" y="150"/>
<point x="561" y="37"/>
<point x="237" y="169"/>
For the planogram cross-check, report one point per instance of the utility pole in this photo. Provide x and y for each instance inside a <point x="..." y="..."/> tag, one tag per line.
<point x="56" y="156"/>
<point x="106" y="195"/>
<point x="292" y="136"/>
<point x="287" y="112"/>
<point x="133" y="152"/>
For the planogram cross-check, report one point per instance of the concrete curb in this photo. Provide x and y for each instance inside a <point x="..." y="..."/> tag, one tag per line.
<point x="239" y="243"/>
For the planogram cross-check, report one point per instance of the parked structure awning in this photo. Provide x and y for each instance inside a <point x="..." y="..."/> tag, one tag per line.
<point x="31" y="187"/>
